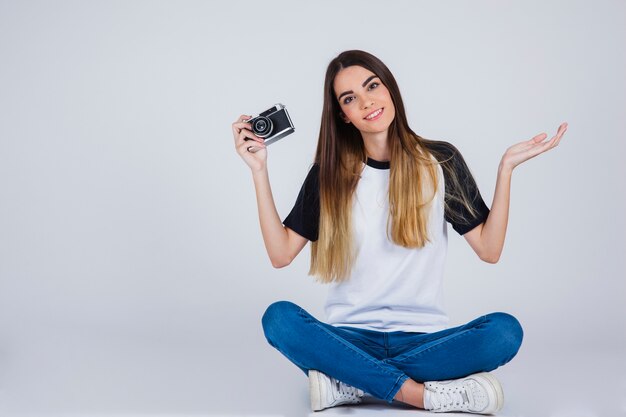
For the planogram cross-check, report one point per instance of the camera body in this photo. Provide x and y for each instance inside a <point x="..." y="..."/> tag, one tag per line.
<point x="272" y="124"/>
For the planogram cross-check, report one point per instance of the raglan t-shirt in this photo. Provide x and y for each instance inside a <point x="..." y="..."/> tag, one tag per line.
<point x="390" y="287"/>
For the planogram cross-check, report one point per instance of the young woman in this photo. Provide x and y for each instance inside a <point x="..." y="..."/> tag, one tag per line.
<point x="375" y="206"/>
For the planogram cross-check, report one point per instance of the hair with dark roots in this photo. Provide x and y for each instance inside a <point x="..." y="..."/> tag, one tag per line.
<point x="340" y="154"/>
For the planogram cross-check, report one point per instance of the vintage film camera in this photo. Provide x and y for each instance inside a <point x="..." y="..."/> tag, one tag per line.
<point x="272" y="124"/>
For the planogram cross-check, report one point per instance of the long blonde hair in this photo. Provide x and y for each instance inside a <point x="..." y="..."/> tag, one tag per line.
<point x="340" y="153"/>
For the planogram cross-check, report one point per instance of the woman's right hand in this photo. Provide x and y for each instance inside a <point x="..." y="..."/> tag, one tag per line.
<point x="253" y="150"/>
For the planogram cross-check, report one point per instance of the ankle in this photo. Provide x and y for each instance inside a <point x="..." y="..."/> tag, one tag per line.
<point x="411" y="393"/>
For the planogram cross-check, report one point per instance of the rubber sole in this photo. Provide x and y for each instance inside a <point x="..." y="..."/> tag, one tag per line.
<point x="497" y="387"/>
<point x="315" y="390"/>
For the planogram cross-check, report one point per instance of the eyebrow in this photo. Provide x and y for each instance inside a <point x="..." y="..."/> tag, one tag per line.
<point x="362" y="85"/>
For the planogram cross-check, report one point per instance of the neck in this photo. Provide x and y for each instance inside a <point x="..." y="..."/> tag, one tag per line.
<point x="376" y="145"/>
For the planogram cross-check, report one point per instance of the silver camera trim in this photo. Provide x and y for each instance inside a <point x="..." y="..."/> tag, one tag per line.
<point x="282" y="133"/>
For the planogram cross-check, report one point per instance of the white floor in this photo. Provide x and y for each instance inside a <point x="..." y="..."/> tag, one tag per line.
<point x="97" y="375"/>
<point x="552" y="386"/>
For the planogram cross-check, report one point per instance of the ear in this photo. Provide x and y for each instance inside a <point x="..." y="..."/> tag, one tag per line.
<point x="344" y="117"/>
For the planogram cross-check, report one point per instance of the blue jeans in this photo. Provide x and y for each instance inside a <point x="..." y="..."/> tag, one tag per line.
<point x="380" y="362"/>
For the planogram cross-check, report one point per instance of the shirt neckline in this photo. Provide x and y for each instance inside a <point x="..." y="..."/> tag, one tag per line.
<point x="377" y="164"/>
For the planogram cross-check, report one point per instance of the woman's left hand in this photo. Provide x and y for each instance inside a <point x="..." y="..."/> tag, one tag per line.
<point x="523" y="151"/>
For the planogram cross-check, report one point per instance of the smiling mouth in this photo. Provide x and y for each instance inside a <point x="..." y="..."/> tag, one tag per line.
<point x="374" y="115"/>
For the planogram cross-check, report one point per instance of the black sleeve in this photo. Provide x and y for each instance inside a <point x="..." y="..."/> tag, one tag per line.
<point x="304" y="216"/>
<point x="456" y="213"/>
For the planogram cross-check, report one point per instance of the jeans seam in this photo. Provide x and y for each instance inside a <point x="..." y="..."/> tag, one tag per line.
<point x="399" y="382"/>
<point x="349" y="347"/>
<point x="404" y="357"/>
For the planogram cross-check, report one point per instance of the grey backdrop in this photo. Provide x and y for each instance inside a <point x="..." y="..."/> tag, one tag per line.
<point x="133" y="274"/>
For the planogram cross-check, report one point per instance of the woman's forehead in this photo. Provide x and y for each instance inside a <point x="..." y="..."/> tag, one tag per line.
<point x="351" y="77"/>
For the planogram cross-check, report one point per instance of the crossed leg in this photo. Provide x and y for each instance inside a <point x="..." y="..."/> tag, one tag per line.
<point x="480" y="345"/>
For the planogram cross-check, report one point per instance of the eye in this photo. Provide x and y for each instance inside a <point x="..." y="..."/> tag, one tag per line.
<point x="372" y="85"/>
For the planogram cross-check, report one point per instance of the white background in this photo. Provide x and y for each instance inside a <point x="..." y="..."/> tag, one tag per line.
<point x="133" y="274"/>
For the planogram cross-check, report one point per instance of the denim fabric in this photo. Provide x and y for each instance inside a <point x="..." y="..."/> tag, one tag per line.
<point x="380" y="362"/>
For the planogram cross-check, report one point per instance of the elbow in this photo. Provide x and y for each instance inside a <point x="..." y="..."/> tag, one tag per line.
<point x="280" y="263"/>
<point x="490" y="259"/>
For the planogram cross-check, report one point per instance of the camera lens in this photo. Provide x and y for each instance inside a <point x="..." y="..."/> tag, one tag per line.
<point x="262" y="126"/>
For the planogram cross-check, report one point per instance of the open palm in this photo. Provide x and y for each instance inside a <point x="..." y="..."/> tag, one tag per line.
<point x="528" y="149"/>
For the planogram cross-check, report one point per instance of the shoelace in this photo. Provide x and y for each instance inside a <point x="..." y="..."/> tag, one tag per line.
<point x="346" y="391"/>
<point x="447" y="398"/>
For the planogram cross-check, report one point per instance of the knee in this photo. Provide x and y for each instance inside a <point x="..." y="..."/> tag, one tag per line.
<point x="508" y="333"/>
<point x="277" y="320"/>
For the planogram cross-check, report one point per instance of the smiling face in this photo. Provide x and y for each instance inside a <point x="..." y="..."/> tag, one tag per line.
<point x="360" y="94"/>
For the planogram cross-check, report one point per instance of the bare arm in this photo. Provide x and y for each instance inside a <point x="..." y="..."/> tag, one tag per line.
<point x="282" y="244"/>
<point x="487" y="239"/>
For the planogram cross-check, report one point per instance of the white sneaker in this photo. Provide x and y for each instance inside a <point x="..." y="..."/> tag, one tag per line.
<point x="328" y="392"/>
<point x="478" y="393"/>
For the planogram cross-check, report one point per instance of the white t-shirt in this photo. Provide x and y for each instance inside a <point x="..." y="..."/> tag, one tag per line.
<point x="390" y="288"/>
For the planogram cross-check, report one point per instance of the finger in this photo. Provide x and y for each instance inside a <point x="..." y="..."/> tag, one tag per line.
<point x="560" y="136"/>
<point x="238" y="127"/>
<point x="553" y="140"/>
<point x="242" y="118"/>
<point x="241" y="125"/>
<point x="245" y="133"/>
<point x="243" y="147"/>
<point x="248" y="147"/>
<point x="561" y="130"/>
<point x="537" y="148"/>
<point x="250" y="142"/>
<point x="549" y="144"/>
<point x="538" y="138"/>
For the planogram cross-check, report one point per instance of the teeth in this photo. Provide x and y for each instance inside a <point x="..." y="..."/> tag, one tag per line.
<point x="376" y="113"/>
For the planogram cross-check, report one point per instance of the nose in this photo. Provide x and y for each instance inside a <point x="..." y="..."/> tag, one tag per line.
<point x="367" y="103"/>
